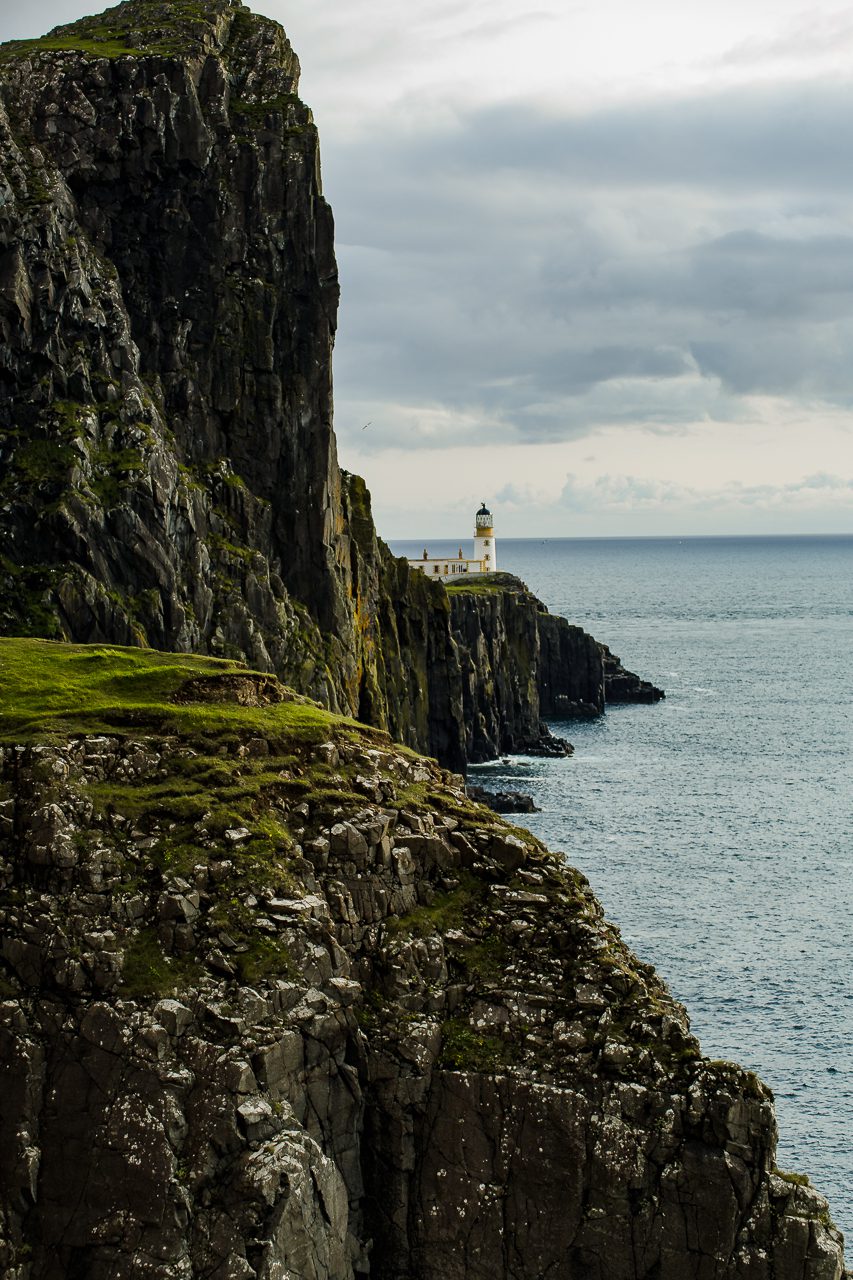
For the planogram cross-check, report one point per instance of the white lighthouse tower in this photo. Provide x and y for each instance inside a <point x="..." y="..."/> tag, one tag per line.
<point x="451" y="568"/>
<point x="484" y="541"/>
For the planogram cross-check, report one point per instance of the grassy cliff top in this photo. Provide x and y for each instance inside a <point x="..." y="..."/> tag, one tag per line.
<point x="133" y="28"/>
<point x="487" y="584"/>
<point x="49" y="689"/>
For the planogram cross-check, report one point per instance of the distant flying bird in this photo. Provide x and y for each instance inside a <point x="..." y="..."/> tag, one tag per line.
<point x="366" y="425"/>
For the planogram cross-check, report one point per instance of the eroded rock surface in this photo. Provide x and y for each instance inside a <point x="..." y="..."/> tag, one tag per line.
<point x="367" y="1029"/>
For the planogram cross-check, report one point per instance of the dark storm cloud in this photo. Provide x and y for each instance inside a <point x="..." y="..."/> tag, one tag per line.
<point x="548" y="273"/>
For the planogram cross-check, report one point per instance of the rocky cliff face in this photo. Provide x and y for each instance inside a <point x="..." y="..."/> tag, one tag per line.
<point x="279" y="1001"/>
<point x="168" y="296"/>
<point x="624" y="686"/>
<point x="519" y="665"/>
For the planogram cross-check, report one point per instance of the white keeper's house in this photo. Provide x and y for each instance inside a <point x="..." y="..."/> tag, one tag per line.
<point x="451" y="568"/>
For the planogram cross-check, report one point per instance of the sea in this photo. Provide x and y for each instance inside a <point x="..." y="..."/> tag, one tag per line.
<point x="716" y="827"/>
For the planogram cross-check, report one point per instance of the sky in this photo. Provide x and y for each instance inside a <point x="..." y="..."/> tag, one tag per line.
<point x="596" y="258"/>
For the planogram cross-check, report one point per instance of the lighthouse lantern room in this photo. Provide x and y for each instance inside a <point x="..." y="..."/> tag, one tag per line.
<point x="452" y="568"/>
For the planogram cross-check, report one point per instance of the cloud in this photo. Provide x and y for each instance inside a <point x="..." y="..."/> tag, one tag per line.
<point x="616" y="495"/>
<point x="539" y="275"/>
<point x="521" y="270"/>
<point x="808" y="36"/>
<point x="744" y="138"/>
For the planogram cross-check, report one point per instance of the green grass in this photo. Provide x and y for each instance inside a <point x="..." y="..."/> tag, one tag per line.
<point x="70" y="44"/>
<point x="38" y="462"/>
<point x="49" y="688"/>
<point x="464" y="1049"/>
<point x="245" y="555"/>
<point x="52" y="690"/>
<point x="264" y="958"/>
<point x="257" y="112"/>
<point x="135" y="28"/>
<point x="114" y="471"/>
<point x="25" y="601"/>
<point x="751" y="1085"/>
<point x="798" y="1179"/>
<point x="483" y="960"/>
<point x="423" y="797"/>
<point x="148" y="971"/>
<point x="486" y="960"/>
<point x="446" y="911"/>
<point x="476" y="588"/>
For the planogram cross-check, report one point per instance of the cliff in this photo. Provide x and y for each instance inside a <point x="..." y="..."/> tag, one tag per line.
<point x="280" y="1001"/>
<point x="169" y="294"/>
<point x="519" y="665"/>
<point x="168" y="297"/>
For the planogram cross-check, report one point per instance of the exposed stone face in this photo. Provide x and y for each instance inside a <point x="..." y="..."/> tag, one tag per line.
<point x="168" y="305"/>
<point x="408" y="680"/>
<point x="520" y="664"/>
<point x="446" y="1063"/>
<point x="275" y="1010"/>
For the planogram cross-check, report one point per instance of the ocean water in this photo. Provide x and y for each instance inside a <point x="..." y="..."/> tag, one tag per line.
<point x="717" y="826"/>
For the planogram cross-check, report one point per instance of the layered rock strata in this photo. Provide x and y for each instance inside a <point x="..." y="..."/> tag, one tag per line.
<point x="313" y="1014"/>
<point x="168" y="297"/>
<point x="519" y="664"/>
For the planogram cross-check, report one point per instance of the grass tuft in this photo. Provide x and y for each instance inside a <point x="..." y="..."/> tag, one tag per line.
<point x="148" y="971"/>
<point x="49" y="689"/>
<point x="464" y="1049"/>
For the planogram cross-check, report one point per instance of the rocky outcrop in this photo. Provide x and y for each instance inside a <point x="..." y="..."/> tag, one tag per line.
<point x="311" y="1013"/>
<point x="168" y="298"/>
<point x="624" y="686"/>
<point x="521" y="665"/>
<point x="496" y="629"/>
<point x="276" y="999"/>
<point x="502" y="801"/>
<point x="408" y="679"/>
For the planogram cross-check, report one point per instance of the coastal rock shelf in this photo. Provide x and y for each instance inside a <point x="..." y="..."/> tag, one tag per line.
<point x="286" y="1003"/>
<point x="623" y="686"/>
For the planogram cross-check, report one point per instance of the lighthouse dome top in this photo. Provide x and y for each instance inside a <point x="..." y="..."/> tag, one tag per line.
<point x="484" y="517"/>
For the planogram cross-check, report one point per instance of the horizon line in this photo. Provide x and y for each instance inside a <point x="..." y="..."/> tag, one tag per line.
<point x="616" y="537"/>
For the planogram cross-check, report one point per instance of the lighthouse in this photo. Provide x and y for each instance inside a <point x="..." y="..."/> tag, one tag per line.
<point x="451" y="568"/>
<point x="484" y="540"/>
